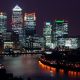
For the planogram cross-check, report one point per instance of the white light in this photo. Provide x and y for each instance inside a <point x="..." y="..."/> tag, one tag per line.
<point x="68" y="43"/>
<point x="25" y="18"/>
<point x="48" y="23"/>
<point x="17" y="8"/>
<point x="48" y="52"/>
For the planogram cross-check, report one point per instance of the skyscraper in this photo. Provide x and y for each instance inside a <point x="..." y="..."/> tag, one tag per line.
<point x="17" y="19"/>
<point x="47" y="33"/>
<point x="29" y="28"/>
<point x="60" y="28"/>
<point x="30" y="23"/>
<point x="17" y="22"/>
<point x="3" y="22"/>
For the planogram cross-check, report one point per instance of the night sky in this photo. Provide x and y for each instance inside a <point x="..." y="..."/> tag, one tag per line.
<point x="48" y="10"/>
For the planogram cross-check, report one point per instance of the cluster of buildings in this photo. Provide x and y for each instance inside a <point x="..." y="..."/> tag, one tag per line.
<point x="57" y="35"/>
<point x="23" y="32"/>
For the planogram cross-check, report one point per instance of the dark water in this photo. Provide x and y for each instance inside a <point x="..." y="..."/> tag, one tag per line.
<point x="29" y="66"/>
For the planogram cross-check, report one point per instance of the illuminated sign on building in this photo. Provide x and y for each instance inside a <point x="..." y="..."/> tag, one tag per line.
<point x="59" y="21"/>
<point x="61" y="29"/>
<point x="30" y="20"/>
<point x="8" y="45"/>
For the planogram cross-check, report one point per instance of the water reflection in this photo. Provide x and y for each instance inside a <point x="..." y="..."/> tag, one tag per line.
<point x="61" y="72"/>
<point x="73" y="74"/>
<point x="48" y="68"/>
<point x="25" y="66"/>
<point x="28" y="66"/>
<point x="53" y="70"/>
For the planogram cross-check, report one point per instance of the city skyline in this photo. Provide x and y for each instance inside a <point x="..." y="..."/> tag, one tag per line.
<point x="47" y="11"/>
<point x="39" y="39"/>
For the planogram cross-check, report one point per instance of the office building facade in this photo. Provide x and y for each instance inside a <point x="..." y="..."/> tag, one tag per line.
<point x="30" y="23"/>
<point x="17" y="22"/>
<point x="47" y="33"/>
<point x="60" y="29"/>
<point x="29" y="28"/>
<point x="69" y="42"/>
<point x="3" y="22"/>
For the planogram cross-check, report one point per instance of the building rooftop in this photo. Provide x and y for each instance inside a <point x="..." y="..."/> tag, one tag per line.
<point x="17" y="8"/>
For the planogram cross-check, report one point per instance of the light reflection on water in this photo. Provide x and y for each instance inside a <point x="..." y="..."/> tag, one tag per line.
<point x="48" y="68"/>
<point x="25" y="66"/>
<point x="29" y="66"/>
<point x="71" y="74"/>
<point x="61" y="72"/>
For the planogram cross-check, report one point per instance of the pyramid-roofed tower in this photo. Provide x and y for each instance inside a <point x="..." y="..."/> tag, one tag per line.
<point x="17" y="8"/>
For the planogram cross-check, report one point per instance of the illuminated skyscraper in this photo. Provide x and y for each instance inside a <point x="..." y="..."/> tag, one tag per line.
<point x="30" y="23"/>
<point x="3" y="22"/>
<point x="17" y="22"/>
<point x="70" y="42"/>
<point x="47" y="33"/>
<point x="29" y="28"/>
<point x="60" y="28"/>
<point x="17" y="19"/>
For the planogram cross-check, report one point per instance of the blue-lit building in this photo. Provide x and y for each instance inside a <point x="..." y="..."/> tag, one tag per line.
<point x="3" y="28"/>
<point x="61" y="36"/>
<point x="68" y="42"/>
<point x="3" y="22"/>
<point x="60" y="30"/>
<point x="47" y="33"/>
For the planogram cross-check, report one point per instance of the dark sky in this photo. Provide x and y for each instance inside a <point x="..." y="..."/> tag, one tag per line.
<point x="48" y="10"/>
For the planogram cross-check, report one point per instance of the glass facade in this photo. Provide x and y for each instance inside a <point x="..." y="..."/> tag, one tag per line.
<point x="29" y="28"/>
<point x="3" y="22"/>
<point x="30" y="21"/>
<point x="17" y="19"/>
<point x="47" y="33"/>
<point x="68" y="42"/>
<point x="17" y="23"/>
<point x="61" y="28"/>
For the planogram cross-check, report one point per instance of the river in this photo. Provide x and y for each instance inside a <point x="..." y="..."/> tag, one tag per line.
<point x="29" y="66"/>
